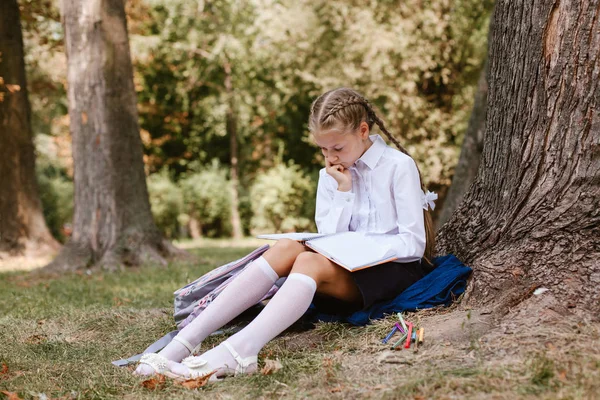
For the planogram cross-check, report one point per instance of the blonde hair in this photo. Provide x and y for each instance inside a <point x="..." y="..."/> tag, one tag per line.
<point x="345" y="109"/>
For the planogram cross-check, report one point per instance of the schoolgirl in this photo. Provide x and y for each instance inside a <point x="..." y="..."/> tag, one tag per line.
<point x="366" y="186"/>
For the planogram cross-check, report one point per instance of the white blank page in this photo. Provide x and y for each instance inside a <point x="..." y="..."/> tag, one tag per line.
<point x="352" y="249"/>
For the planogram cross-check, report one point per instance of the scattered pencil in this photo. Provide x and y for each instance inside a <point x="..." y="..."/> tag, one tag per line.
<point x="402" y="321"/>
<point x="389" y="336"/>
<point x="408" y="336"/>
<point x="399" y="342"/>
<point x="400" y="328"/>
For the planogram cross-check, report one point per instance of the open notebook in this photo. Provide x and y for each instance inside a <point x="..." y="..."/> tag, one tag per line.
<point x="351" y="250"/>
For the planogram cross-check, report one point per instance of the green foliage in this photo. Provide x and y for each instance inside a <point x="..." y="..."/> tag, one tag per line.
<point x="55" y="186"/>
<point x="418" y="64"/>
<point x="46" y="66"/>
<point x="417" y="61"/>
<point x="207" y="199"/>
<point x="56" y="195"/>
<point x="283" y="200"/>
<point x="166" y="200"/>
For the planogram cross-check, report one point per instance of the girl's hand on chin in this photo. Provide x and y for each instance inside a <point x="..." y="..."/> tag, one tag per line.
<point x="340" y="174"/>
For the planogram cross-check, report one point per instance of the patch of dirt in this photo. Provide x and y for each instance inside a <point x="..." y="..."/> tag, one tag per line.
<point x="473" y="341"/>
<point x="299" y="341"/>
<point x="24" y="263"/>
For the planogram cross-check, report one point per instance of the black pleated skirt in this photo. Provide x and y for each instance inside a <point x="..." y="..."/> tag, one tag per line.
<point x="379" y="283"/>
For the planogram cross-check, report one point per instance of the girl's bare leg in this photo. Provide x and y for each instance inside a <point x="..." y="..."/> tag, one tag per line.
<point x="331" y="279"/>
<point x="282" y="255"/>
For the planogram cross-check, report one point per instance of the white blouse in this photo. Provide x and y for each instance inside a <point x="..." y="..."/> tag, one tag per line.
<point x="386" y="201"/>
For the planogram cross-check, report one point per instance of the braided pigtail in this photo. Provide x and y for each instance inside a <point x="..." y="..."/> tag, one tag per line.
<point x="429" y="231"/>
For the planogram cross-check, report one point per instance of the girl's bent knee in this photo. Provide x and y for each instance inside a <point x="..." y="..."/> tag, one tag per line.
<point x="287" y="246"/>
<point x="311" y="264"/>
<point x="282" y="255"/>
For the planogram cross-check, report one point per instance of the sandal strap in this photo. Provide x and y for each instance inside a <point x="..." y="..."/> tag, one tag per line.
<point x="243" y="363"/>
<point x="187" y="344"/>
<point x="156" y="361"/>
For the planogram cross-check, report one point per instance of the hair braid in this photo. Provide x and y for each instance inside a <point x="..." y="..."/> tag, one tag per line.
<point x="429" y="232"/>
<point x="349" y="101"/>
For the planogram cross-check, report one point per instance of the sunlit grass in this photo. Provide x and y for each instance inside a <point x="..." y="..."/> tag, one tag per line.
<point x="58" y="335"/>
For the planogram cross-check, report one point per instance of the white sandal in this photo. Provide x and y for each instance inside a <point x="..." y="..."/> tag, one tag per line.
<point x="159" y="363"/>
<point x="243" y="363"/>
<point x="198" y="367"/>
<point x="193" y="350"/>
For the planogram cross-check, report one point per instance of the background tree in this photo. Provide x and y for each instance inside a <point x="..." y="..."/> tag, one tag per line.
<point x="470" y="153"/>
<point x="22" y="226"/>
<point x="531" y="217"/>
<point x="112" y="223"/>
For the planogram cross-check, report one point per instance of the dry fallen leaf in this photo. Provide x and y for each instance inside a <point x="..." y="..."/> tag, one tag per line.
<point x="23" y="284"/>
<point x="336" y="389"/>
<point x="270" y="367"/>
<point x="4" y="369"/>
<point x="11" y="395"/>
<point x="156" y="383"/>
<point x="36" y="339"/>
<point x="196" y="382"/>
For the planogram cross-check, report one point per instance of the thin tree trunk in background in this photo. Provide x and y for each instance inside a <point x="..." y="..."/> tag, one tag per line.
<point x="195" y="228"/>
<point x="231" y="126"/>
<point x="112" y="223"/>
<point x="470" y="153"/>
<point x="532" y="216"/>
<point x="23" y="230"/>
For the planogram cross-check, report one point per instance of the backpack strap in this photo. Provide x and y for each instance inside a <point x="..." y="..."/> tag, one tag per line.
<point x="153" y="348"/>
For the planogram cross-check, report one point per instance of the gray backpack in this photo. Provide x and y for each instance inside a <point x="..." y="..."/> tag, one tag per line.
<point x="194" y="297"/>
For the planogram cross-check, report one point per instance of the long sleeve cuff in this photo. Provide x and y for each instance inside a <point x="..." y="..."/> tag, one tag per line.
<point x="339" y="214"/>
<point x="342" y="199"/>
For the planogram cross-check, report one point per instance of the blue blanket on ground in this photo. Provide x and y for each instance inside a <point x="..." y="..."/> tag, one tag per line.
<point x="440" y="287"/>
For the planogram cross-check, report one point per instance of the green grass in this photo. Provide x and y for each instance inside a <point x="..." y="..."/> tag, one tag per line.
<point x="59" y="334"/>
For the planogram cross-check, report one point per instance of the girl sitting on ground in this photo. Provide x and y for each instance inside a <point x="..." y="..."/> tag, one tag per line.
<point x="366" y="186"/>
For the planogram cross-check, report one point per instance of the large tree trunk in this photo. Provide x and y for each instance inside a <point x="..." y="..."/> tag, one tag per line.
<point x="23" y="230"/>
<point x="112" y="223"/>
<point x="231" y="124"/>
<point x="532" y="216"/>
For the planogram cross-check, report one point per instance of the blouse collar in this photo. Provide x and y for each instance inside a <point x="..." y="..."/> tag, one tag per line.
<point x="373" y="154"/>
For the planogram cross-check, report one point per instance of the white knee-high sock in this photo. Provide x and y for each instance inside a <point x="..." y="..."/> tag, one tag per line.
<point x="285" y="308"/>
<point x="242" y="293"/>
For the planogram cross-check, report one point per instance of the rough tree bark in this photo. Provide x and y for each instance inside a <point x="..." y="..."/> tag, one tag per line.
<point x="23" y="230"/>
<point x="532" y="216"/>
<point x="112" y="223"/>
